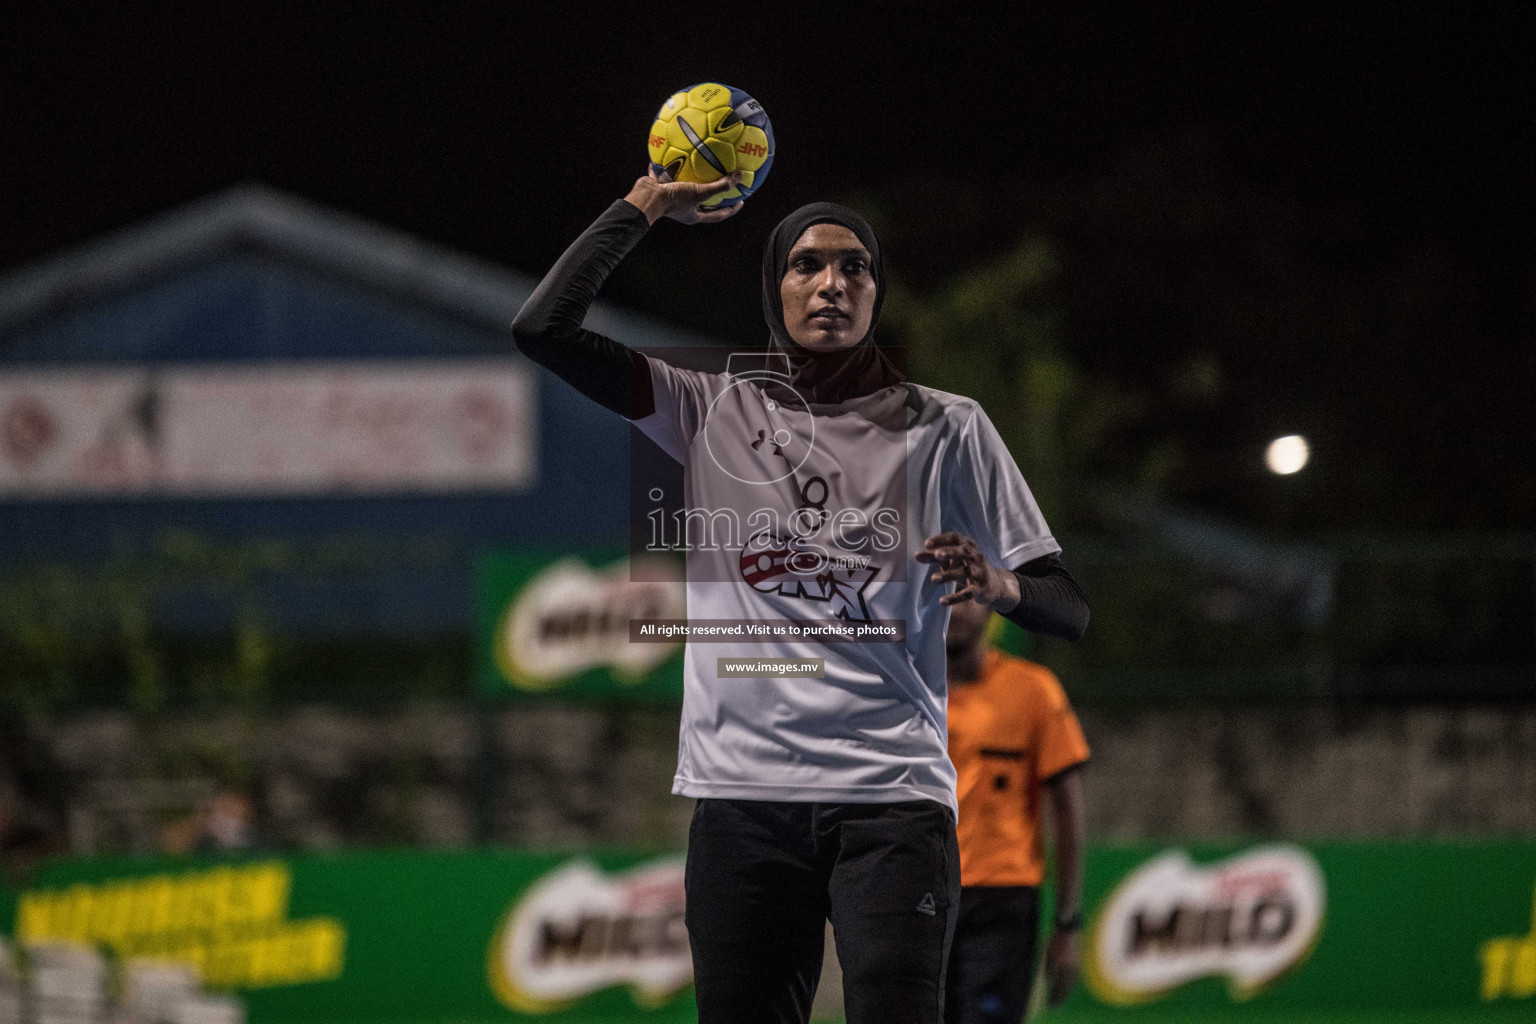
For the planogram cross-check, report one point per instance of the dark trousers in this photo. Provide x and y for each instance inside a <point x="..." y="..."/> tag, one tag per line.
<point x="992" y="958"/>
<point x="763" y="878"/>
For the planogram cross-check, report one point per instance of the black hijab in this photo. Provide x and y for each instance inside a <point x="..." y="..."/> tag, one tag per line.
<point x="824" y="377"/>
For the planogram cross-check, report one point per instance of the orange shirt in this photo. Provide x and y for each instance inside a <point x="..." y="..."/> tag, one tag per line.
<point x="1009" y="731"/>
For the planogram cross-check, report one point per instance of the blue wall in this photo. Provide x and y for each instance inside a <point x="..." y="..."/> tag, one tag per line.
<point x="249" y="308"/>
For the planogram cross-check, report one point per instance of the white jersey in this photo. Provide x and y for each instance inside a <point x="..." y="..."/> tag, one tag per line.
<point x="872" y="479"/>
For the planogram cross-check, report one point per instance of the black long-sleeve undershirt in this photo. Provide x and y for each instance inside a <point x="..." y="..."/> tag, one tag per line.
<point x="1050" y="601"/>
<point x="548" y="330"/>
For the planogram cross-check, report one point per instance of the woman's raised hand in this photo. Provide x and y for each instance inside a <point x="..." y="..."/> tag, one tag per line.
<point x="680" y="199"/>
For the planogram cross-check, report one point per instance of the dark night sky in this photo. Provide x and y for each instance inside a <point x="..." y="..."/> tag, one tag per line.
<point x="502" y="131"/>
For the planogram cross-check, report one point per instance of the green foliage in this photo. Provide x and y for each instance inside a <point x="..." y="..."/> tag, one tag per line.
<point x="997" y="332"/>
<point x="94" y="634"/>
<point x="993" y="335"/>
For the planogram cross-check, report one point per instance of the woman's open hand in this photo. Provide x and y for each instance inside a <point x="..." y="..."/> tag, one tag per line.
<point x="961" y="562"/>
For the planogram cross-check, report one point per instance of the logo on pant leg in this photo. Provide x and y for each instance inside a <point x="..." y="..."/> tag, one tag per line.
<point x="926" y="905"/>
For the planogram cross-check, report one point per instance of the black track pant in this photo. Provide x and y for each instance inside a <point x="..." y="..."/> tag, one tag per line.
<point x="763" y="879"/>
<point x="992" y="958"/>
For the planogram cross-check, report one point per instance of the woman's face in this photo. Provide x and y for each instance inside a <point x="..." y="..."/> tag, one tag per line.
<point x="828" y="289"/>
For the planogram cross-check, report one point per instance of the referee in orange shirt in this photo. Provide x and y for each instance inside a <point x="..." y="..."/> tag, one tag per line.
<point x="1012" y="737"/>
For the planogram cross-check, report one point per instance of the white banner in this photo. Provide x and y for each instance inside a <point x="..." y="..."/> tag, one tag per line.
<point x="268" y="429"/>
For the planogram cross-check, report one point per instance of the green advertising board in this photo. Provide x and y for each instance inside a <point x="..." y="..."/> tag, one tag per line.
<point x="1263" y="932"/>
<point x="556" y="624"/>
<point x="389" y="936"/>
<point x="1280" y="931"/>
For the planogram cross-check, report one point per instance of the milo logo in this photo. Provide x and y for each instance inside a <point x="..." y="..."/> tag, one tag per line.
<point x="1251" y="918"/>
<point x="571" y="618"/>
<point x="578" y="931"/>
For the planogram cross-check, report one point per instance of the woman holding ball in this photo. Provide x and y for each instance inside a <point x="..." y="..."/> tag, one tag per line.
<point x="831" y="795"/>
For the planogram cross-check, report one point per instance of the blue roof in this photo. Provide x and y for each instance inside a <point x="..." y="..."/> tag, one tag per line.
<point x="255" y="275"/>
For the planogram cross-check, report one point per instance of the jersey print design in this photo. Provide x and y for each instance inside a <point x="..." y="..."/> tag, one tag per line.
<point x="800" y="568"/>
<point x="772" y="566"/>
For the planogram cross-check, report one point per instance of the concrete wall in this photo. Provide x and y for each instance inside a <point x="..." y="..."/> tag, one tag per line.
<point x="1313" y="772"/>
<point x="561" y="776"/>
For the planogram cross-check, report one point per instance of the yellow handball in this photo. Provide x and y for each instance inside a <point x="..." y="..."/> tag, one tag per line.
<point x="709" y="130"/>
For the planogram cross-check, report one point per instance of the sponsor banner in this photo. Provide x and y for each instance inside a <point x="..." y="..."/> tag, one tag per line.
<point x="578" y="930"/>
<point x="268" y="429"/>
<point x="230" y="924"/>
<point x="1280" y="930"/>
<point x="1289" y="928"/>
<point x="397" y="936"/>
<point x="1250" y="918"/>
<point x="559" y="624"/>
<point x="1509" y="965"/>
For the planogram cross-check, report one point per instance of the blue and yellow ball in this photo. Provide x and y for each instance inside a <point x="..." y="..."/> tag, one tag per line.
<point x="709" y="130"/>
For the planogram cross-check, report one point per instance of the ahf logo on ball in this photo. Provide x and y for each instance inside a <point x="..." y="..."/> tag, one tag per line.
<point x="1251" y="917"/>
<point x="577" y="931"/>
